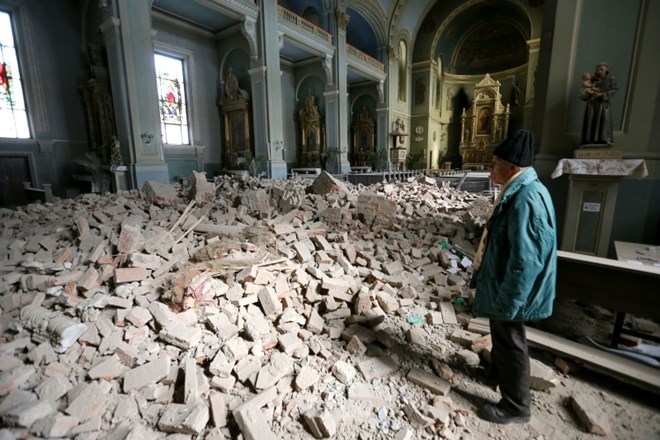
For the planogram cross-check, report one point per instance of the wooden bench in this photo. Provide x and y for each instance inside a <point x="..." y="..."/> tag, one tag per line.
<point x="616" y="285"/>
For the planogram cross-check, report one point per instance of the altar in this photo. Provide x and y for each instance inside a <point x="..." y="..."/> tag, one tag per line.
<point x="593" y="188"/>
<point x="483" y="126"/>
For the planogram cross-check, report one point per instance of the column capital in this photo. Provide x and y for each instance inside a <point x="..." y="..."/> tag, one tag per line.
<point x="342" y="19"/>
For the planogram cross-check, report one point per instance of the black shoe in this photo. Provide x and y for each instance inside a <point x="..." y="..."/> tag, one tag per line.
<point x="495" y="414"/>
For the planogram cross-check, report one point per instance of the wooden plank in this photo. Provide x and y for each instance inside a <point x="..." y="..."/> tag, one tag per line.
<point x="637" y="253"/>
<point x="626" y="370"/>
<point x="617" y="285"/>
<point x="613" y="264"/>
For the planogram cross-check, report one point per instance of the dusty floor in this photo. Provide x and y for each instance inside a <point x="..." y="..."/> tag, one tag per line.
<point x="629" y="412"/>
<point x="632" y="413"/>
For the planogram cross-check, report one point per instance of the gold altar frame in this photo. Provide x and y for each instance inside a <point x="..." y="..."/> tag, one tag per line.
<point x="483" y="126"/>
<point x="235" y="105"/>
<point x="312" y="133"/>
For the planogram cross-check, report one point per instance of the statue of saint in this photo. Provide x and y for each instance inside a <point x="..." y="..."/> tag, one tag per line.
<point x="597" y="91"/>
<point x="116" y="158"/>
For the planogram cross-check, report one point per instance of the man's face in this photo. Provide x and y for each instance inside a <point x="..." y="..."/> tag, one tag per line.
<point x="500" y="170"/>
<point x="601" y="71"/>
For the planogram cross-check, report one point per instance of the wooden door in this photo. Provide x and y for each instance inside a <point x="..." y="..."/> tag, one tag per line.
<point x="14" y="170"/>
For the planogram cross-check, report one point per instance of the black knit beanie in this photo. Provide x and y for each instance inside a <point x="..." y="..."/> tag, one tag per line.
<point x="518" y="148"/>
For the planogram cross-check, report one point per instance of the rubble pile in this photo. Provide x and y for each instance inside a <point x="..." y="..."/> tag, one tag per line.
<point x="254" y="308"/>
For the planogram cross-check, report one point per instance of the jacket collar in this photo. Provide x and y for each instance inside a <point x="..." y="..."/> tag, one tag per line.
<point x="524" y="179"/>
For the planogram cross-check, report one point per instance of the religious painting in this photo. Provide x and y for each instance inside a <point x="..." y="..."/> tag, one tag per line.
<point x="484" y="121"/>
<point x="235" y="104"/>
<point x="492" y="46"/>
<point x="312" y="142"/>
<point x="238" y="134"/>
<point x="364" y="129"/>
<point x="311" y="132"/>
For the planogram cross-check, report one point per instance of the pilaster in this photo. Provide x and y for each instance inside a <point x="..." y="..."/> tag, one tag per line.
<point x="533" y="47"/>
<point x="128" y="39"/>
<point x="336" y="96"/>
<point x="383" y="138"/>
<point x="267" y="94"/>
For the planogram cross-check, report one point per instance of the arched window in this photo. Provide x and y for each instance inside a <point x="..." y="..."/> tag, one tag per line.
<point x="13" y="112"/>
<point x="403" y="71"/>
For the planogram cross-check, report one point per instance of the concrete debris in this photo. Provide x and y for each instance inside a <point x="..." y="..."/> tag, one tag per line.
<point x="46" y="325"/>
<point x="127" y="317"/>
<point x="594" y="421"/>
<point x="321" y="424"/>
<point x="201" y="190"/>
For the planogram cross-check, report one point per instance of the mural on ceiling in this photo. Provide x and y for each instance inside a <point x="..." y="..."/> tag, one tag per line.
<point x="489" y="47"/>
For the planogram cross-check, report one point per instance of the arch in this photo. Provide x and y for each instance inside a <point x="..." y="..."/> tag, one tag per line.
<point x="373" y="13"/>
<point x="235" y="53"/>
<point x="360" y="34"/>
<point x="458" y="22"/>
<point x="362" y="99"/>
<point x="306" y="79"/>
<point x="493" y="46"/>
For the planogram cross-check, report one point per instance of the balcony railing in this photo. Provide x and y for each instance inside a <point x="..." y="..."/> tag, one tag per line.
<point x="292" y="18"/>
<point x="365" y="58"/>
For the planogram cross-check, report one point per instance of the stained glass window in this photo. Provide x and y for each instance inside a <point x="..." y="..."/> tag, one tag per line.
<point x="172" y="100"/>
<point x="13" y="114"/>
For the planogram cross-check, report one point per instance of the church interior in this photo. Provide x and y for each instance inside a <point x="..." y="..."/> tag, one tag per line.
<point x="126" y="97"/>
<point x="86" y="86"/>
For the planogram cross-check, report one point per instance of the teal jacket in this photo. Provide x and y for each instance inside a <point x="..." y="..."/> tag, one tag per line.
<point x="517" y="276"/>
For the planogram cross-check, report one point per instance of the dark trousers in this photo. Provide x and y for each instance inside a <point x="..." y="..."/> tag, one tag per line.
<point x="510" y="362"/>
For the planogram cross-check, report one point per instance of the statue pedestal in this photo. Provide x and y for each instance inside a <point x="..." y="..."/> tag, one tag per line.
<point x="397" y="157"/>
<point x="592" y="193"/>
<point x="119" y="176"/>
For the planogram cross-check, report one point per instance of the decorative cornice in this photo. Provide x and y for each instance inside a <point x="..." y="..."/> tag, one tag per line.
<point x="314" y="45"/>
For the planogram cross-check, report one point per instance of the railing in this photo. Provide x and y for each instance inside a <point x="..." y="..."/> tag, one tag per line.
<point x="365" y="58"/>
<point x="297" y="20"/>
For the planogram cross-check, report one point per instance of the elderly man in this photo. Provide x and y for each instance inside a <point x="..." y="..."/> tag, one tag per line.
<point x="515" y="270"/>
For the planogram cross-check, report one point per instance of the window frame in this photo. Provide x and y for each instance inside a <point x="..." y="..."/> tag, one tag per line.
<point x="186" y="57"/>
<point x="33" y="97"/>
